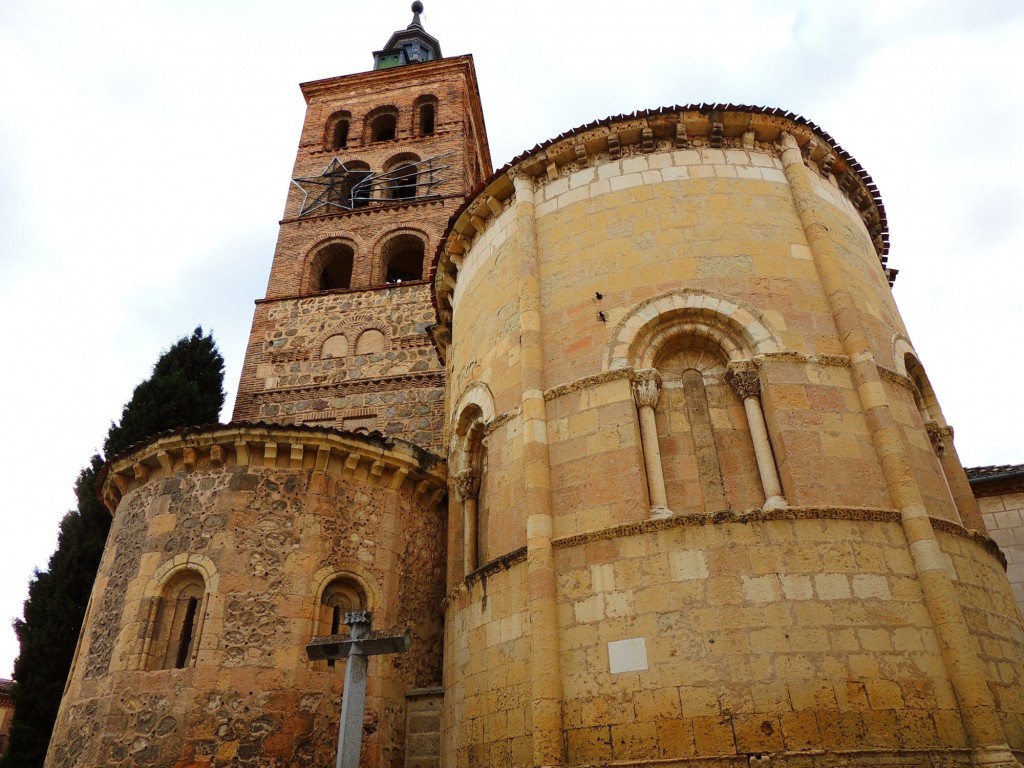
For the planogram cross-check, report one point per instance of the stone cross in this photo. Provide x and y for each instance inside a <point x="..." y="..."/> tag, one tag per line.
<point x="360" y="644"/>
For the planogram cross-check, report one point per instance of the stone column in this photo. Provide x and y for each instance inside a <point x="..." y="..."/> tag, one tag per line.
<point x="542" y="582"/>
<point x="964" y="667"/>
<point x="646" y="390"/>
<point x="468" y="485"/>
<point x="747" y="385"/>
<point x="956" y="479"/>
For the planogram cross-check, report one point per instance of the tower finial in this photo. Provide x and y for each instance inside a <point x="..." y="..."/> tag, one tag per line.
<point x="411" y="45"/>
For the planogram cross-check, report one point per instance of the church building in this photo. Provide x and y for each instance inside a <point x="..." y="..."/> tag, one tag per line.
<point x="627" y="436"/>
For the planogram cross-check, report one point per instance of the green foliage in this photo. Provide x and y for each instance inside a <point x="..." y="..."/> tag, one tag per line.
<point x="186" y="388"/>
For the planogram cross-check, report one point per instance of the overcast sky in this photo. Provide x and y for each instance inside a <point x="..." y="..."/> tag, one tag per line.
<point x="146" y="149"/>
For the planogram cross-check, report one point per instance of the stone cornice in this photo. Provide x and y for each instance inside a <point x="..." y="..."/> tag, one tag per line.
<point x="379" y="78"/>
<point x="371" y="459"/>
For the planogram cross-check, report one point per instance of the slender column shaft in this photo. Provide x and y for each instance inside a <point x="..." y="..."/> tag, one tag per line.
<point x="646" y="389"/>
<point x="763" y="452"/>
<point x="747" y="385"/>
<point x="470" y="545"/>
<point x="468" y="485"/>
<point x="545" y="673"/>
<point x="966" y="673"/>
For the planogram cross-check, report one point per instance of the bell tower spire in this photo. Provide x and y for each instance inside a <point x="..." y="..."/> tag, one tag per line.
<point x="411" y="45"/>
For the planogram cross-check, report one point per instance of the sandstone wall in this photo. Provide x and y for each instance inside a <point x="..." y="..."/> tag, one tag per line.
<point x="1003" y="515"/>
<point x="728" y="573"/>
<point x="268" y="519"/>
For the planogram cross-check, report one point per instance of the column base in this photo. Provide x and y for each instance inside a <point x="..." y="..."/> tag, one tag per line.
<point x="775" y="502"/>
<point x="661" y="513"/>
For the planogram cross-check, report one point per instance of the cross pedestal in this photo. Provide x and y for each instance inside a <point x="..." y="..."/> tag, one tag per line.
<point x="361" y="643"/>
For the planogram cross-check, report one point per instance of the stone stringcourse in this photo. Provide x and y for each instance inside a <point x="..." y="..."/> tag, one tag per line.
<point x="863" y="514"/>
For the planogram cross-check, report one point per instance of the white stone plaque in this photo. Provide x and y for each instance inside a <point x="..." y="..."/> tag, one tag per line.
<point x="627" y="655"/>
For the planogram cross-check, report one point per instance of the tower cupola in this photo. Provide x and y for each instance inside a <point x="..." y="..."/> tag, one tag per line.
<point x="411" y="45"/>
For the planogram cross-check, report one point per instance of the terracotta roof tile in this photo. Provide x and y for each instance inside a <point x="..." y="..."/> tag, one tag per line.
<point x="994" y="472"/>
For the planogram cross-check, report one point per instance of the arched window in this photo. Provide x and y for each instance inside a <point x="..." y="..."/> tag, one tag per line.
<point x="403" y="182"/>
<point x="347" y="185"/>
<point x="702" y="430"/>
<point x="384" y="124"/>
<point x="336" y="134"/>
<point x="179" y="619"/>
<point x="471" y="464"/>
<point x="341" y="134"/>
<point x="403" y="259"/>
<point x="339" y="597"/>
<point x="427" y="119"/>
<point x="370" y="342"/>
<point x="333" y="267"/>
<point x="335" y="346"/>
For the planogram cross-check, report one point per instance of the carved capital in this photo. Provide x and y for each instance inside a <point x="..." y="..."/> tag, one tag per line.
<point x="745" y="383"/>
<point x="467" y="484"/>
<point x="646" y="387"/>
<point x="936" y="435"/>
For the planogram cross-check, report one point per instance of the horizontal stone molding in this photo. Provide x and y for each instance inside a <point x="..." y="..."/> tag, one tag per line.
<point x="832" y="361"/>
<point x="587" y="382"/>
<point x="895" y="378"/>
<point x="372" y="459"/>
<point x="868" y="514"/>
<point x="503" y="418"/>
<point x="498" y="564"/>
<point x="983" y="540"/>
<point x="426" y="380"/>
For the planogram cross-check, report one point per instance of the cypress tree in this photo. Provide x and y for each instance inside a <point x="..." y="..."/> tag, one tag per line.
<point x="185" y="388"/>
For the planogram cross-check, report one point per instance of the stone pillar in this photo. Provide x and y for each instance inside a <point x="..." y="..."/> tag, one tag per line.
<point x="353" y="700"/>
<point x="747" y="385"/>
<point x="545" y="673"/>
<point x="468" y="485"/>
<point x="966" y="672"/>
<point x="646" y="389"/>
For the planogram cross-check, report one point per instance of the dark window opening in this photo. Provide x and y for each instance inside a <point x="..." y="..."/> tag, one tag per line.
<point x="347" y="190"/>
<point x="336" y="273"/>
<point x="335" y="628"/>
<point x="383" y="128"/>
<point x="427" y="120"/>
<point x="341" y="134"/>
<point x="187" y="632"/>
<point x="405" y="266"/>
<point x="403" y="183"/>
<point x="340" y="597"/>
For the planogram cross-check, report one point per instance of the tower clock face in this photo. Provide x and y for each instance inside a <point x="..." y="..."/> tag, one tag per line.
<point x="349" y="185"/>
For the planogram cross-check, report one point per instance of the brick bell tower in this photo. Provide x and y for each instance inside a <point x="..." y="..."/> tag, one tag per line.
<point x="231" y="545"/>
<point x="385" y="158"/>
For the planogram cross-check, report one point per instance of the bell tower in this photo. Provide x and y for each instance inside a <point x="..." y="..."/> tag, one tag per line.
<point x="384" y="160"/>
